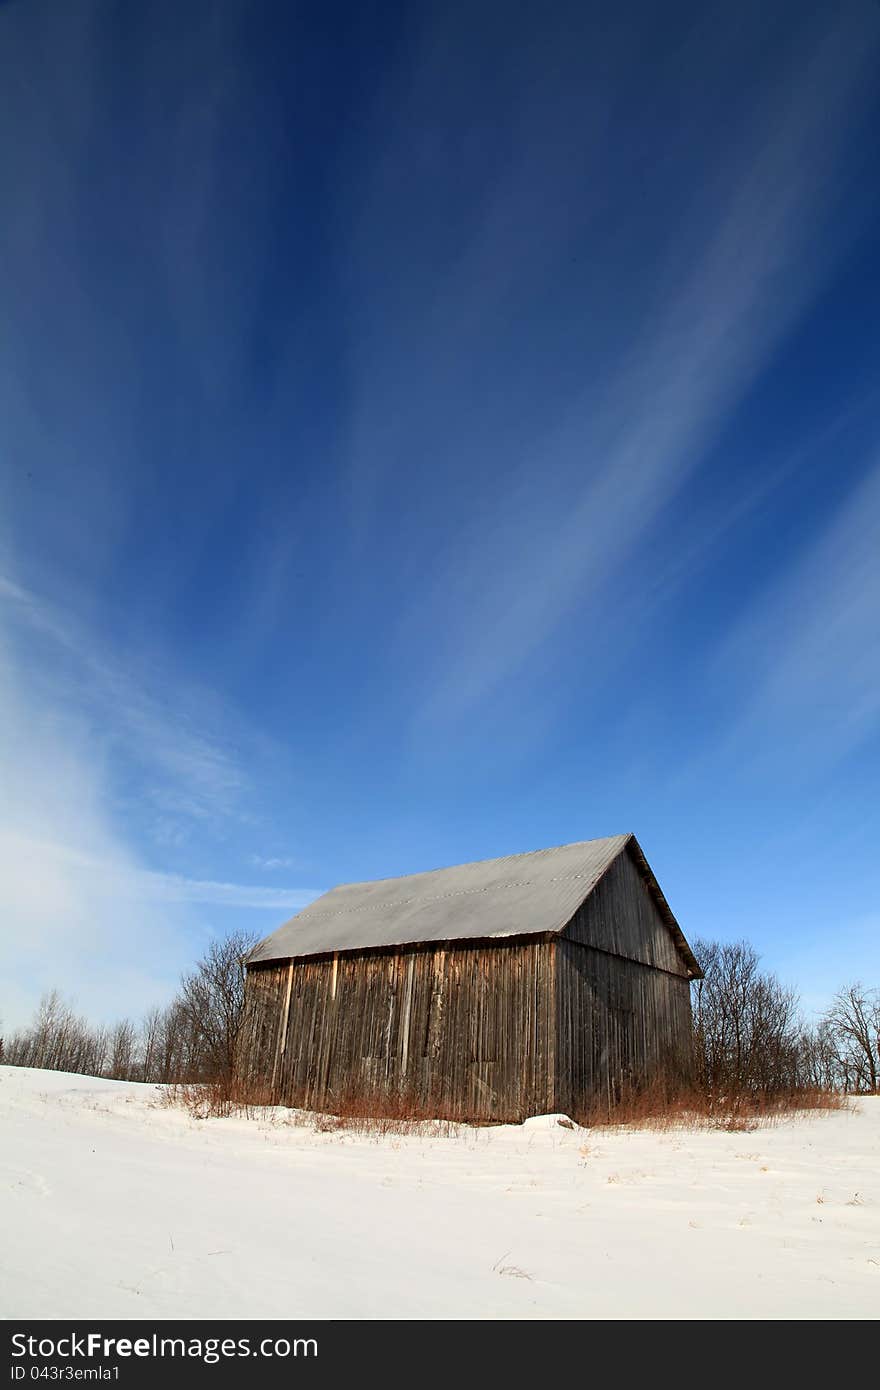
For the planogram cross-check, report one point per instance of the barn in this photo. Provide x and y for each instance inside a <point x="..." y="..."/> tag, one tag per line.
<point x="530" y="984"/>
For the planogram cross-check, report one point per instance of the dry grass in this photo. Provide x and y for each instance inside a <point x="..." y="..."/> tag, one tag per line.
<point x="661" y="1107"/>
<point x="212" y="1100"/>
<point x="359" y="1115"/>
<point x="221" y="1099"/>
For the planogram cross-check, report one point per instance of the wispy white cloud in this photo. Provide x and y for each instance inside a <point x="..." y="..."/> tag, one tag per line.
<point x="588" y="484"/>
<point x="115" y="760"/>
<point x="811" y="645"/>
<point x="57" y="929"/>
<point x="175" y="888"/>
<point x="123" y="882"/>
<point x="272" y="862"/>
<point x="79" y="733"/>
<point x="190" y="770"/>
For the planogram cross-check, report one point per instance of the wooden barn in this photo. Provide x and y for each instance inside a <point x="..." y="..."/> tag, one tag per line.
<point x="530" y="984"/>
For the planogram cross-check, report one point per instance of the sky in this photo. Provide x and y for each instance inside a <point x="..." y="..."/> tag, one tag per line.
<point x="430" y="433"/>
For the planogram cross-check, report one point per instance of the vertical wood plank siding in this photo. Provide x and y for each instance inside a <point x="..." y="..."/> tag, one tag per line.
<point x="620" y="1023"/>
<point x="465" y="1032"/>
<point x="623" y="1005"/>
<point x="622" y="916"/>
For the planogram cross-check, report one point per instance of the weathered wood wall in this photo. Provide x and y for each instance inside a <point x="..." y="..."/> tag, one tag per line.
<point x="463" y="1031"/>
<point x="623" y="1007"/>
<point x="622" y="916"/>
<point x="619" y="1025"/>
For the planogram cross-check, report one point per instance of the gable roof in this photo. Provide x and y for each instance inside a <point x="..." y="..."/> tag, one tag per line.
<point x="518" y="895"/>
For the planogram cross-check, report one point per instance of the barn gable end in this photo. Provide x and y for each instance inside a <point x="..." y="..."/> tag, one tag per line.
<point x="624" y="915"/>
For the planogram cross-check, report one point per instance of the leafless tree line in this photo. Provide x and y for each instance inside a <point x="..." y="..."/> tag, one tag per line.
<point x="843" y="1051"/>
<point x="750" y="1037"/>
<point x="193" y="1039"/>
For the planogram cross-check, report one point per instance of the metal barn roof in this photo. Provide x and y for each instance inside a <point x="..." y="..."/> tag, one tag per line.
<point x="519" y="895"/>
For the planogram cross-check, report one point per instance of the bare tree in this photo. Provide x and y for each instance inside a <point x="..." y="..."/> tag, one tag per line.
<point x="150" y="1033"/>
<point x="121" y="1049"/>
<point x="746" y="1024"/>
<point x="193" y="1039"/>
<point x="853" y="1022"/>
<point x="819" y="1059"/>
<point x="59" y="1040"/>
<point x="175" y="1057"/>
<point x="212" y="1002"/>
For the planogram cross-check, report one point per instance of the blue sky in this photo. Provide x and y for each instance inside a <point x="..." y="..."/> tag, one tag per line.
<point x="430" y="433"/>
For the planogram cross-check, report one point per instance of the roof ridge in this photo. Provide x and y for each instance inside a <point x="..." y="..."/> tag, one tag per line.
<point x="479" y="863"/>
<point x="437" y="897"/>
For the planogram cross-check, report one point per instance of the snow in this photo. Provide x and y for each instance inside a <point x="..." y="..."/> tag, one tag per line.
<point x="114" y="1204"/>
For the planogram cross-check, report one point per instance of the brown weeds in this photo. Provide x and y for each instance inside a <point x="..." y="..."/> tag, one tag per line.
<point x="660" y="1106"/>
<point x="657" y="1106"/>
<point x="212" y="1100"/>
<point x="354" y="1114"/>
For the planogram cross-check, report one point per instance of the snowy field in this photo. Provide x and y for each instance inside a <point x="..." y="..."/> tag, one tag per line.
<point x="115" y="1205"/>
